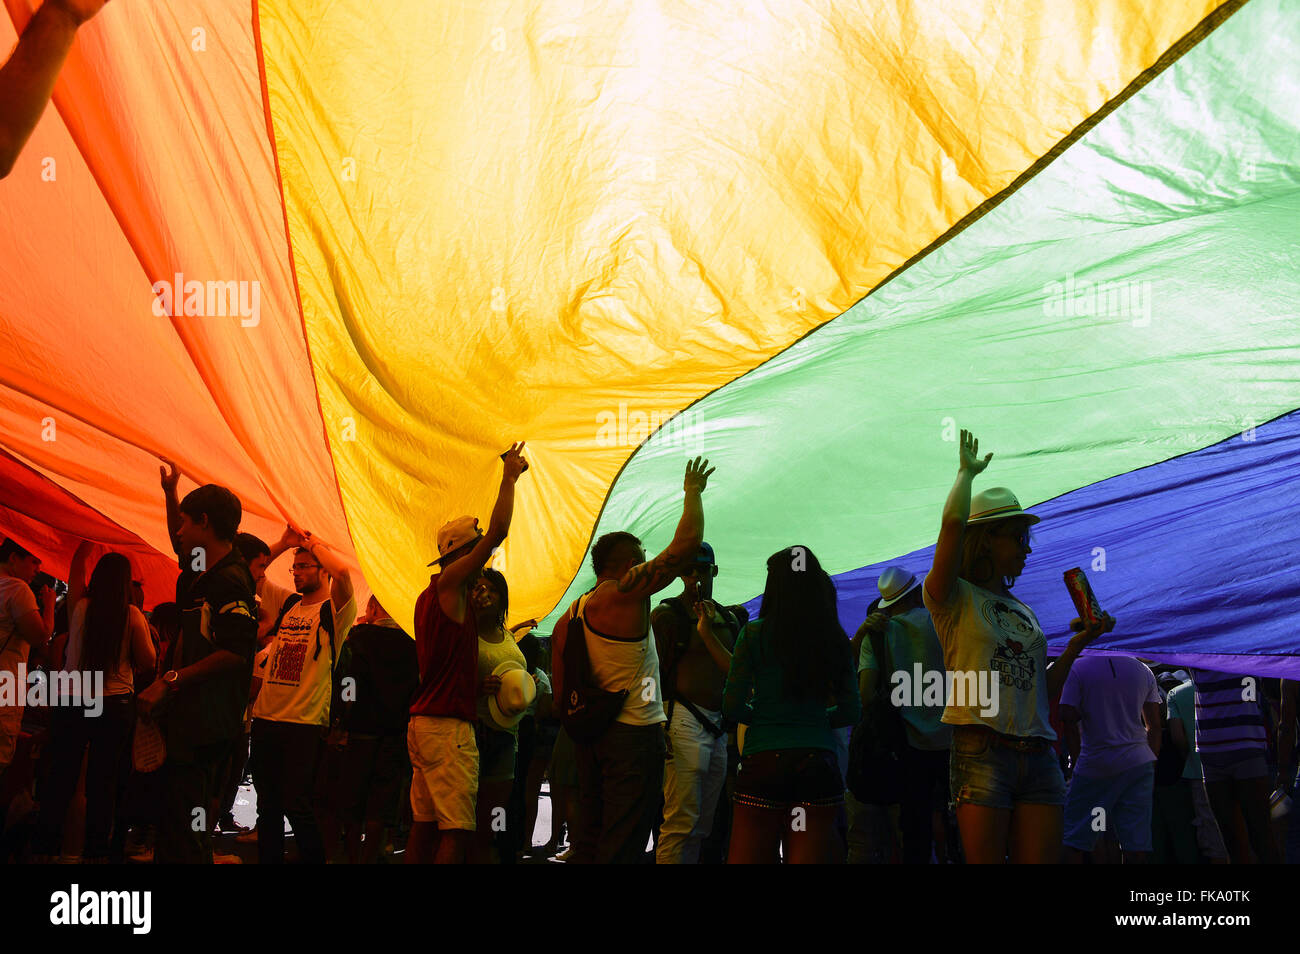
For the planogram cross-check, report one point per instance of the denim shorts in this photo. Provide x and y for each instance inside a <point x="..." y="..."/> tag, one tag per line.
<point x="784" y="777"/>
<point x="983" y="773"/>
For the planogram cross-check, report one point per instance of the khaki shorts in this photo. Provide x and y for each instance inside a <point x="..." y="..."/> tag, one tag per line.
<point x="11" y="724"/>
<point x="444" y="771"/>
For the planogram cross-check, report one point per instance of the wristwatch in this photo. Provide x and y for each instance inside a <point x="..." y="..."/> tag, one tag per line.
<point x="170" y="677"/>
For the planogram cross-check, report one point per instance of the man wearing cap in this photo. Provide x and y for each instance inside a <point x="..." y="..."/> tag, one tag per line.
<point x="620" y="775"/>
<point x="440" y="739"/>
<point x="23" y="624"/>
<point x="915" y="665"/>
<point x="694" y="637"/>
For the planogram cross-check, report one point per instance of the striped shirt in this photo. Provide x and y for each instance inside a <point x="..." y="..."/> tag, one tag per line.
<point x="1228" y="716"/>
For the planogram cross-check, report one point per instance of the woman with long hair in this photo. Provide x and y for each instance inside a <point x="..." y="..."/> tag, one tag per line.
<point x="108" y="642"/>
<point x="1003" y="771"/>
<point x="792" y="683"/>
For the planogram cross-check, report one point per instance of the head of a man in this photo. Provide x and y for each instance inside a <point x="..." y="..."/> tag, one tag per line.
<point x="17" y="561"/>
<point x="308" y="575"/>
<point x="616" y="553"/>
<point x="210" y="517"/>
<point x="698" y="575"/>
<point x="255" y="553"/>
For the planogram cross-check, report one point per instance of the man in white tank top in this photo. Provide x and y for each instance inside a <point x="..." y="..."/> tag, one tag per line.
<point x="620" y="775"/>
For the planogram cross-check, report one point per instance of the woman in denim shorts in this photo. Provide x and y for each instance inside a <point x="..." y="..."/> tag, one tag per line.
<point x="1003" y="772"/>
<point x="788" y="666"/>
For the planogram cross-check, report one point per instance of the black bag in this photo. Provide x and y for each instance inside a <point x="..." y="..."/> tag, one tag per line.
<point x="875" y="774"/>
<point x="587" y="711"/>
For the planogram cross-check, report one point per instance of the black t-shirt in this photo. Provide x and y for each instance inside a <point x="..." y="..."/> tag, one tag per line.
<point x="386" y="668"/>
<point x="218" y="611"/>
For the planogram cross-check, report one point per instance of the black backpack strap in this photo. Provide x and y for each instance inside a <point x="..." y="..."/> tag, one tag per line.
<point x="292" y="600"/>
<point x="327" y="624"/>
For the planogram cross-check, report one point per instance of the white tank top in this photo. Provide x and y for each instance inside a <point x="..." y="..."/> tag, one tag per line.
<point x="618" y="663"/>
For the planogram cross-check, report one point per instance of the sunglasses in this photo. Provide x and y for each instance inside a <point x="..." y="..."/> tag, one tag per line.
<point x="1021" y="538"/>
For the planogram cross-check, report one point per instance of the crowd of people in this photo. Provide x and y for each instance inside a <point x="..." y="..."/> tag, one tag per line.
<point x="684" y="725"/>
<point x="680" y="732"/>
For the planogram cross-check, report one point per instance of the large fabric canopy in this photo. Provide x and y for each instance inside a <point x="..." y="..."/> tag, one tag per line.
<point x="337" y="256"/>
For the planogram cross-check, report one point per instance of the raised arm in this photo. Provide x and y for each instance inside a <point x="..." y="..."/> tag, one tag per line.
<point x="27" y="79"/>
<point x="170" y="476"/>
<point x="646" y="579"/>
<point x="942" y="579"/>
<point x="453" y="577"/>
<point x="340" y="576"/>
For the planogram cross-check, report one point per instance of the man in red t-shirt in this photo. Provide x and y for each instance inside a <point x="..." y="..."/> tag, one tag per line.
<point x="440" y="739"/>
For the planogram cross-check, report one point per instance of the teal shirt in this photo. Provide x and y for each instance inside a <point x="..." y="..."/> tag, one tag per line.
<point x="755" y="696"/>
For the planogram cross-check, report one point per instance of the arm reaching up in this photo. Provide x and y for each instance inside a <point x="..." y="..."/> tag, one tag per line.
<point x="646" y="579"/>
<point x="942" y="578"/>
<point x="27" y="78"/>
<point x="170" y="476"/>
<point x="451" y="581"/>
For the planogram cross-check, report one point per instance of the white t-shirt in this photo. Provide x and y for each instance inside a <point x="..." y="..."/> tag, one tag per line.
<point x="16" y="601"/>
<point x="122" y="679"/>
<point x="1109" y="692"/>
<point x="994" y="649"/>
<point x="296" y="679"/>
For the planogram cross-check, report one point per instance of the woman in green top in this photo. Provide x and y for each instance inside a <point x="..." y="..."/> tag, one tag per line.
<point x="792" y="682"/>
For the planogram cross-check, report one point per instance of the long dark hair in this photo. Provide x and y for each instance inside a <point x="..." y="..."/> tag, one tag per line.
<point x="109" y="594"/>
<point x="802" y="625"/>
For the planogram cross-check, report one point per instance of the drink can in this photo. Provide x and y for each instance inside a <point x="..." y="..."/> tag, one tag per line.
<point x="1085" y="601"/>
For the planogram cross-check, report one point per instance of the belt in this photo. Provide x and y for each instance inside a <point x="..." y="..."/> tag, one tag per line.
<point x="1017" y="743"/>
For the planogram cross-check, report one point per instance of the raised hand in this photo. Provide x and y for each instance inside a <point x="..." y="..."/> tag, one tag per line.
<point x="291" y="538"/>
<point x="697" y="475"/>
<point x="514" y="461"/>
<point x="169" y="475"/>
<point x="970" y="454"/>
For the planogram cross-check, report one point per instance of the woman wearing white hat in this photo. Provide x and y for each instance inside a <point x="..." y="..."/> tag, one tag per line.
<point x="1004" y="775"/>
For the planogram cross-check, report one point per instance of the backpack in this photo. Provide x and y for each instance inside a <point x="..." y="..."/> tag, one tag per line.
<point x="587" y="711"/>
<point x="875" y="774"/>
<point x="340" y="659"/>
<point x="735" y="618"/>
